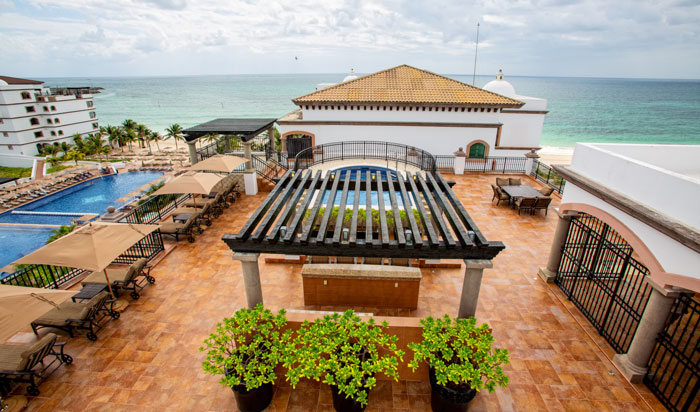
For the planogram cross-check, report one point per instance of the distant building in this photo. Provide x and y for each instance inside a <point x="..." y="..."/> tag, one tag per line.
<point x="422" y="109"/>
<point x="33" y="115"/>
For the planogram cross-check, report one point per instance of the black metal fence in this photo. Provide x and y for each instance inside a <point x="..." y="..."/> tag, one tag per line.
<point x="493" y="164"/>
<point x="549" y="176"/>
<point x="52" y="277"/>
<point x="599" y="274"/>
<point x="674" y="368"/>
<point x="392" y="153"/>
<point x="154" y="209"/>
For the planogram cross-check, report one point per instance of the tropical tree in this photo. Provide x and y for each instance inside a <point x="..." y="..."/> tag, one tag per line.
<point x="96" y="144"/>
<point x="59" y="233"/>
<point x="130" y="137"/>
<point x="174" y="132"/>
<point x="65" y="147"/>
<point x="75" y="155"/>
<point x="53" y="161"/>
<point x="114" y="135"/>
<point x="155" y="137"/>
<point x="51" y="150"/>
<point x="142" y="132"/>
<point x="130" y="126"/>
<point x="79" y="143"/>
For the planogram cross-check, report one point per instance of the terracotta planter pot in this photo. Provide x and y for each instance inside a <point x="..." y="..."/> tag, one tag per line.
<point x="444" y="399"/>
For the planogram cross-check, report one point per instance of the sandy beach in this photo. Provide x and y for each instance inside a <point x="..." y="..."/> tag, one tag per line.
<point x="556" y="155"/>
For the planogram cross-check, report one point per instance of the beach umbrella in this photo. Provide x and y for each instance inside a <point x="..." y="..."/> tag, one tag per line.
<point x="219" y="163"/>
<point x="19" y="306"/>
<point x="195" y="183"/>
<point x="92" y="247"/>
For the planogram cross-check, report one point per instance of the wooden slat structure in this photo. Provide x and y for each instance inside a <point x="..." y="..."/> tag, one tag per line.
<point x="402" y="215"/>
<point x="246" y="128"/>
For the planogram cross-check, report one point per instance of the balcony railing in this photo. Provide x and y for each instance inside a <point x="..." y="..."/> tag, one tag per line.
<point x="493" y="164"/>
<point x="546" y="174"/>
<point x="154" y="209"/>
<point x="392" y="153"/>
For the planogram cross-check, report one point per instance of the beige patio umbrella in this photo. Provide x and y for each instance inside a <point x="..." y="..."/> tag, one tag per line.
<point x="92" y="247"/>
<point x="219" y="163"/>
<point x="201" y="183"/>
<point x="19" y="306"/>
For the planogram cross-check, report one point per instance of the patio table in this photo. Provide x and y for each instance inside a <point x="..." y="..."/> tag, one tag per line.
<point x="89" y="291"/>
<point x="517" y="191"/>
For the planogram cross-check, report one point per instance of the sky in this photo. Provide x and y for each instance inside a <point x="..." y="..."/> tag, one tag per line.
<point x="595" y="38"/>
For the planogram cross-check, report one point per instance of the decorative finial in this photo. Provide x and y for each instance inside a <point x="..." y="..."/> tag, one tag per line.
<point x="499" y="76"/>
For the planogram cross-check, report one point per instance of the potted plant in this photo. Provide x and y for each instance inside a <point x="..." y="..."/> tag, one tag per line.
<point x="462" y="361"/>
<point x="245" y="349"/>
<point x="344" y="352"/>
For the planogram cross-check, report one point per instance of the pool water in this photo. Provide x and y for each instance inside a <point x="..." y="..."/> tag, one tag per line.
<point x="383" y="172"/>
<point x="93" y="196"/>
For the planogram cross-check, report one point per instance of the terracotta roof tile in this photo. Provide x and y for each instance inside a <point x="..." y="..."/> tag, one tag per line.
<point x="17" y="80"/>
<point x="406" y="84"/>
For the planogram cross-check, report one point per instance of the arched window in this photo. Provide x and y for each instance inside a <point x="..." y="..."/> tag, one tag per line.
<point x="477" y="151"/>
<point x="34" y="121"/>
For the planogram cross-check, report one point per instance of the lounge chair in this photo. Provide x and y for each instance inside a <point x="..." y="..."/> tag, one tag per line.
<point x="125" y="278"/>
<point x="525" y="203"/>
<point x="499" y="194"/>
<point x="181" y="229"/>
<point x="19" y="362"/>
<point x="72" y="316"/>
<point x="373" y="261"/>
<point x="546" y="191"/>
<point x="542" y="203"/>
<point x="514" y="181"/>
<point x="319" y="259"/>
<point x="400" y="262"/>
<point x="502" y="181"/>
<point x="345" y="259"/>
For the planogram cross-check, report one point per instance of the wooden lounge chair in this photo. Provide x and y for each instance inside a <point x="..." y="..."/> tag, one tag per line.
<point x="177" y="229"/>
<point x="125" y="278"/>
<point x="542" y="203"/>
<point x="25" y="363"/>
<point x="525" y="203"/>
<point x="499" y="194"/>
<point x="72" y="316"/>
<point x="546" y="191"/>
<point x="514" y="181"/>
<point x="502" y="181"/>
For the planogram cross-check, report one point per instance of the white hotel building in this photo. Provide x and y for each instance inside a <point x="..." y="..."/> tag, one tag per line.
<point x="32" y="116"/>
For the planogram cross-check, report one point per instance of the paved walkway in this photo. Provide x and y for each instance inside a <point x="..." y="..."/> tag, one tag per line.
<point x="149" y="358"/>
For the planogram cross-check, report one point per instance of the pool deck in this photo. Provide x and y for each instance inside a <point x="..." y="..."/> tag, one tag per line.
<point x="149" y="358"/>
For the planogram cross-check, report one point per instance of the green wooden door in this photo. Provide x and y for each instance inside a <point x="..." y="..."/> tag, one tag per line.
<point x="477" y="151"/>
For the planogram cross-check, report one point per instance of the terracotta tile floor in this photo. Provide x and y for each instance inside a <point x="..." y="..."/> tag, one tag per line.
<point x="149" y="358"/>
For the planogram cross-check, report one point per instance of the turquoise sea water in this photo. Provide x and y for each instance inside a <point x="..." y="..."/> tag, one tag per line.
<point x="580" y="109"/>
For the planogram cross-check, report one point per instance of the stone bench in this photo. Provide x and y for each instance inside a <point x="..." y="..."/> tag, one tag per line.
<point x="361" y="285"/>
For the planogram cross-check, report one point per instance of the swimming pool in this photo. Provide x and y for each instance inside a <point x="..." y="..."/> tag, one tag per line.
<point x="383" y="172"/>
<point x="91" y="196"/>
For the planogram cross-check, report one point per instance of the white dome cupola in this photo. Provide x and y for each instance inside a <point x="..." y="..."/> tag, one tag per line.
<point x="350" y="76"/>
<point x="500" y="86"/>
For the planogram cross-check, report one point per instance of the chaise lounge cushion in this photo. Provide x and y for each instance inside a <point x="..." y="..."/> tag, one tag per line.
<point x="16" y="357"/>
<point x="502" y="181"/>
<point x="171" y="228"/>
<point x="59" y="316"/>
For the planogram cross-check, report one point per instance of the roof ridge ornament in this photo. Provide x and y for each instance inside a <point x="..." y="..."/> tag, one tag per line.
<point x="499" y="75"/>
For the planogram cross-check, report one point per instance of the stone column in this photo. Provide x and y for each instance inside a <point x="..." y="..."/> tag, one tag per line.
<point x="251" y="277"/>
<point x="250" y="178"/>
<point x="530" y="161"/>
<point x="474" y="270"/>
<point x="227" y="143"/>
<point x="192" y="146"/>
<point x="633" y="364"/>
<point x="460" y="158"/>
<point x="550" y="272"/>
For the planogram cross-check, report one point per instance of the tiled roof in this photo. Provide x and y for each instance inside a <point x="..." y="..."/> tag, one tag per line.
<point x="405" y="84"/>
<point x="17" y="80"/>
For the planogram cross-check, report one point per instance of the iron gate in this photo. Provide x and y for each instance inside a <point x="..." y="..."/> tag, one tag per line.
<point x="599" y="274"/>
<point x="674" y="368"/>
<point x="297" y="144"/>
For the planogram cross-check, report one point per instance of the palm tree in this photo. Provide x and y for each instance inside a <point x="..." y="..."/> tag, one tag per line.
<point x="60" y="232"/>
<point x="142" y="132"/>
<point x="114" y="136"/>
<point x="96" y="144"/>
<point x="174" y="132"/>
<point x="129" y="124"/>
<point x="155" y="136"/>
<point x="65" y="147"/>
<point x="79" y="144"/>
<point x="51" y="150"/>
<point x="130" y="137"/>
<point x="75" y="155"/>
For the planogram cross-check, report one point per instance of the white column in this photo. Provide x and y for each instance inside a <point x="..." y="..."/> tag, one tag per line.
<point x="530" y="161"/>
<point x="549" y="272"/>
<point x="193" y="151"/>
<point x="473" y="272"/>
<point x="633" y="364"/>
<point x="460" y="158"/>
<point x="250" y="178"/>
<point x="251" y="277"/>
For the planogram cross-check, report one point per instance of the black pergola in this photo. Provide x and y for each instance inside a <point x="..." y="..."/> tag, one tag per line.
<point x="299" y="217"/>
<point x="246" y="128"/>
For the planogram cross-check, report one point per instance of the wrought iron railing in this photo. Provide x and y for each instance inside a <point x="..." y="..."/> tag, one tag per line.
<point x="52" y="277"/>
<point x="392" y="153"/>
<point x="154" y="209"/>
<point x="549" y="176"/>
<point x="493" y="164"/>
<point x="268" y="170"/>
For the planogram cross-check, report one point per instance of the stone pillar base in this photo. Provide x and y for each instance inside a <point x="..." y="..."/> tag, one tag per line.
<point x="473" y="272"/>
<point x="547" y="275"/>
<point x="632" y="372"/>
<point x="251" y="183"/>
<point x="251" y="277"/>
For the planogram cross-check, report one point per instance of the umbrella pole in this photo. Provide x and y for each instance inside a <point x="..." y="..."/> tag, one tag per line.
<point x="109" y="284"/>
<point x="194" y="200"/>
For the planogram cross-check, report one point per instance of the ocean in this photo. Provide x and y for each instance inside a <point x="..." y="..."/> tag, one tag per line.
<point x="580" y="109"/>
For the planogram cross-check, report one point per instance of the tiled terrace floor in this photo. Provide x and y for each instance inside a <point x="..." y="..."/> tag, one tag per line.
<point x="149" y="359"/>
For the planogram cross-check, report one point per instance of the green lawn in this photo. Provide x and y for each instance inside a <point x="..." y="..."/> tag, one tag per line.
<point x="20" y="172"/>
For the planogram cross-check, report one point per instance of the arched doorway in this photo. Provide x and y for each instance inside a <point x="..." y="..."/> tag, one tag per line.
<point x="477" y="149"/>
<point x="296" y="141"/>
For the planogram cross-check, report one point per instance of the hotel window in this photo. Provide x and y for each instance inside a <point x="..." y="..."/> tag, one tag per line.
<point x="5" y="134"/>
<point x="53" y="133"/>
<point x="90" y="103"/>
<point x="49" y="121"/>
<point x="26" y="95"/>
<point x="29" y="109"/>
<point x="2" y="121"/>
<point x="56" y="120"/>
<point x="95" y="125"/>
<point x="34" y="121"/>
<point x="92" y="115"/>
<point x="53" y="108"/>
<point x="38" y="134"/>
<point x="60" y="132"/>
<point x="10" y="147"/>
<point x="46" y="108"/>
